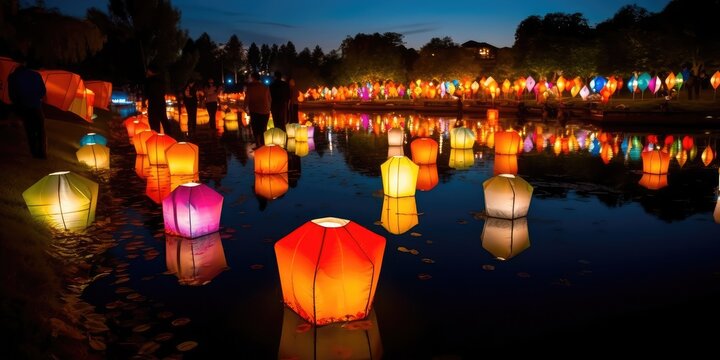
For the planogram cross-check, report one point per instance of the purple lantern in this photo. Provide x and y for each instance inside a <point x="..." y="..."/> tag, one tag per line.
<point x="192" y="210"/>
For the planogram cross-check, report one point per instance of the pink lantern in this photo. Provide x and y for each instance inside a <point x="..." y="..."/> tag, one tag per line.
<point x="192" y="210"/>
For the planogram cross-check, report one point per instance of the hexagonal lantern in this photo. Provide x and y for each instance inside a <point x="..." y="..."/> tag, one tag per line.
<point x="93" y="138"/>
<point x="507" y="196"/>
<point x="156" y="146"/>
<point x="424" y="151"/>
<point x="461" y="138"/>
<point x="655" y="162"/>
<point x="507" y="142"/>
<point x="329" y="270"/>
<point x="192" y="210"/>
<point x="399" y="176"/>
<point x="97" y="156"/>
<point x="275" y="136"/>
<point x="271" y="159"/>
<point x="63" y="199"/>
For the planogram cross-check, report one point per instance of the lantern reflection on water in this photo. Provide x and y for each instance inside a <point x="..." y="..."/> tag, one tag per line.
<point x="427" y="177"/>
<point x="505" y="238"/>
<point x="192" y="210"/>
<point x="354" y="340"/>
<point x="654" y="181"/>
<point x="271" y="186"/>
<point x="507" y="196"/>
<point x="329" y="270"/>
<point x="461" y="159"/>
<point x="399" y="214"/>
<point x="505" y="164"/>
<point x="96" y="156"/>
<point x="507" y="142"/>
<point x="424" y="151"/>
<point x="63" y="199"/>
<point x="399" y="176"/>
<point x="195" y="261"/>
<point x="158" y="184"/>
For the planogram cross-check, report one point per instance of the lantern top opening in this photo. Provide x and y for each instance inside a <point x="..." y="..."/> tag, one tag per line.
<point x="331" y="222"/>
<point x="511" y="176"/>
<point x="59" y="173"/>
<point x="91" y="133"/>
<point x="91" y="143"/>
<point x="182" y="142"/>
<point x="190" y="184"/>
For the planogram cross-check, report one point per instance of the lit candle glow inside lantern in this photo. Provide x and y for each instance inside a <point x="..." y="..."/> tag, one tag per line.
<point x="399" y="176"/>
<point x="96" y="156"/>
<point x="507" y="196"/>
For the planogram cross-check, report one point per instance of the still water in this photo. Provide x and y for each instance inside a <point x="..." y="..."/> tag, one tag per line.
<point x="603" y="260"/>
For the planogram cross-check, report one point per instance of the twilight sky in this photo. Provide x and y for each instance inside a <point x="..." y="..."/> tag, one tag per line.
<point x="327" y="23"/>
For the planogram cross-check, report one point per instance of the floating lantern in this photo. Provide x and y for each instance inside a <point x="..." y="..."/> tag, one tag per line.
<point x="505" y="164"/>
<point x="461" y="138"/>
<point x="461" y="159"/>
<point x="192" y="210"/>
<point x="507" y="142"/>
<point x="134" y="125"/>
<point x="358" y="339"/>
<point x="63" y="199"/>
<point x="271" y="186"/>
<point x="399" y="176"/>
<point x="93" y="138"/>
<point x="142" y="165"/>
<point x="654" y="181"/>
<point x="96" y="156"/>
<point x="329" y="270"/>
<point x="140" y="139"/>
<point x="395" y="151"/>
<point x="655" y="162"/>
<point x="399" y="214"/>
<point x="275" y="136"/>
<point x="156" y="146"/>
<point x="507" y="196"/>
<point x="291" y="128"/>
<point x="707" y="155"/>
<point x="424" y="151"/>
<point x="427" y="177"/>
<point x="504" y="238"/>
<point x="159" y="184"/>
<point x="182" y="158"/>
<point x="301" y="133"/>
<point x="271" y="159"/>
<point x="395" y="137"/>
<point x="195" y="261"/>
<point x="493" y="115"/>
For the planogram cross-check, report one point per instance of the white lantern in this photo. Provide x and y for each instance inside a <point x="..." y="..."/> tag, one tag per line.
<point x="505" y="238"/>
<point x="507" y="196"/>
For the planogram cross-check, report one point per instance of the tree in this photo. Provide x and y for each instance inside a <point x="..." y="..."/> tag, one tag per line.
<point x="233" y="56"/>
<point x="624" y="41"/>
<point x="445" y="60"/>
<point x="316" y="57"/>
<point x="253" y="58"/>
<point x="372" y="57"/>
<point x="265" y="57"/>
<point x="208" y="64"/>
<point x="184" y="68"/>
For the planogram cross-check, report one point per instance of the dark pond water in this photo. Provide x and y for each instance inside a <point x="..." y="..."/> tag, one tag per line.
<point x="606" y="262"/>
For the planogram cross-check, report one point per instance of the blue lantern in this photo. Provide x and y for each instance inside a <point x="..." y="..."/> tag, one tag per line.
<point x="93" y="138"/>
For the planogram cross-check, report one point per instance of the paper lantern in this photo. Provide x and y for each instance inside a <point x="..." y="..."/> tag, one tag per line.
<point x="271" y="186"/>
<point x="142" y="165"/>
<point x="182" y="158"/>
<point x="291" y="145"/>
<point x="395" y="151"/>
<point x="715" y="80"/>
<point x="196" y="261"/>
<point x="654" y="181"/>
<point x="681" y="157"/>
<point x="424" y="151"/>
<point x="505" y="164"/>
<point x="461" y="138"/>
<point x="461" y="159"/>
<point x="96" y="156"/>
<point x="275" y="136"/>
<point x="271" y="159"/>
<point x="655" y="162"/>
<point x="156" y="146"/>
<point x="507" y="142"/>
<point x="399" y="214"/>
<point x="93" y="138"/>
<point x="507" y="196"/>
<point x="301" y="133"/>
<point x="140" y="139"/>
<point x="395" y="137"/>
<point x="606" y="153"/>
<point x="158" y="183"/>
<point x="670" y="81"/>
<point x="291" y="128"/>
<point x="707" y="155"/>
<point x="493" y="115"/>
<point x="353" y="340"/>
<point x="505" y="239"/>
<point x="302" y="148"/>
<point x="399" y="176"/>
<point x="329" y="269"/>
<point x="427" y="177"/>
<point x="135" y="126"/>
<point x="192" y="210"/>
<point x="63" y="199"/>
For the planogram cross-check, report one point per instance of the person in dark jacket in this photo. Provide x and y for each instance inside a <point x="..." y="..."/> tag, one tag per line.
<point x="26" y="89"/>
<point x="280" y="100"/>
<point x="155" y="96"/>
<point x="190" y="99"/>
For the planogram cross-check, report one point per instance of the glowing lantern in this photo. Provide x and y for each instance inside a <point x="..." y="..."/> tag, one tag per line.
<point x="670" y="81"/>
<point x="182" y="158"/>
<point x="94" y="155"/>
<point x="141" y="165"/>
<point x="584" y="92"/>
<point x="655" y="162"/>
<point x="606" y="153"/>
<point x="63" y="199"/>
<point x="156" y="146"/>
<point x="271" y="159"/>
<point x="715" y="80"/>
<point x="707" y="155"/>
<point x="461" y="159"/>
<point x="504" y="238"/>
<point x="598" y="83"/>
<point x="560" y="83"/>
<point x="329" y="269"/>
<point x="195" y="261"/>
<point x="574" y="91"/>
<point x="654" y="181"/>
<point x="687" y="142"/>
<point x="93" y="138"/>
<point x="140" y="139"/>
<point x="290" y="128"/>
<point x="271" y="186"/>
<point x="427" y="177"/>
<point x="302" y="148"/>
<point x="399" y="214"/>
<point x="134" y="126"/>
<point x="505" y="164"/>
<point x="395" y="151"/>
<point x="275" y="136"/>
<point x="192" y="210"/>
<point x="681" y="157"/>
<point x="395" y="137"/>
<point x="507" y="196"/>
<point x="679" y="79"/>
<point x="159" y="184"/>
<point x="399" y="176"/>
<point x="643" y="81"/>
<point x="424" y="151"/>
<point x="301" y="133"/>
<point x="507" y="142"/>
<point x="529" y="83"/>
<point x="461" y="138"/>
<point x="493" y="115"/>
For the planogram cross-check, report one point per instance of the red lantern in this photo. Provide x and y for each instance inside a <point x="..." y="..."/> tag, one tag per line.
<point x="424" y="151"/>
<point x="687" y="142"/>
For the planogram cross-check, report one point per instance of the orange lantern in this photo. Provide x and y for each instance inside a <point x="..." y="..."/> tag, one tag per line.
<point x="399" y="176"/>
<point x="493" y="115"/>
<point x="271" y="186"/>
<point x="140" y="139"/>
<point x="271" y="159"/>
<point x="329" y="270"/>
<point x="195" y="261"/>
<point x="156" y="146"/>
<point x="159" y="184"/>
<point x="134" y="125"/>
<point x="142" y="165"/>
<point x="424" y="151"/>
<point x="399" y="214"/>
<point x="504" y="238"/>
<point x="707" y="155"/>
<point x="654" y="181"/>
<point x="94" y="155"/>
<point x="507" y="142"/>
<point x="715" y="80"/>
<point x="681" y="157"/>
<point x="427" y="177"/>
<point x="606" y="153"/>
<point x="505" y="164"/>
<point x="655" y="162"/>
<point x="670" y="81"/>
<point x="182" y="158"/>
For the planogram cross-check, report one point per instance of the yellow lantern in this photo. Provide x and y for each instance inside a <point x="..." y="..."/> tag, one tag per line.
<point x="399" y="214"/>
<point x="427" y="177"/>
<point x="505" y="164"/>
<point x="139" y="141"/>
<point x="507" y="142"/>
<point x="195" y="261"/>
<point x="301" y="133"/>
<point x="63" y="199"/>
<point x="424" y="151"/>
<point x="291" y="128"/>
<point x="507" y="196"/>
<point x="654" y="181"/>
<point x="291" y="145"/>
<point x="395" y="151"/>
<point x="655" y="162"/>
<point x="275" y="136"/>
<point x="560" y="83"/>
<point x="182" y="158"/>
<point x="461" y="159"/>
<point x="302" y="148"/>
<point x="399" y="176"/>
<point x="707" y="155"/>
<point x="94" y="155"/>
<point x="681" y="157"/>
<point x="156" y="146"/>
<point x="271" y="186"/>
<point x="504" y="238"/>
<point x="271" y="159"/>
<point x="461" y="138"/>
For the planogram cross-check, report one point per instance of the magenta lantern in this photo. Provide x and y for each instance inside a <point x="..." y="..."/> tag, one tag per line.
<point x="192" y="210"/>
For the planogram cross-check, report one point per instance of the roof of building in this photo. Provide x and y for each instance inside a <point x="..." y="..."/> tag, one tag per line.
<point x="475" y="44"/>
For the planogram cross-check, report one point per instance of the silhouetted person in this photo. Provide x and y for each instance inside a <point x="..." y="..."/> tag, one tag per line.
<point x="211" y="92"/>
<point x="190" y="100"/>
<point x="155" y="97"/>
<point x="280" y="100"/>
<point x="27" y="89"/>
<point x="257" y="104"/>
<point x="293" y="116"/>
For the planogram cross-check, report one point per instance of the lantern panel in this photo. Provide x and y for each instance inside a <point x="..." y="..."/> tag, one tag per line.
<point x="271" y="159"/>
<point x="196" y="261"/>
<point x="96" y="156"/>
<point x="399" y="214"/>
<point x="271" y="186"/>
<point x="461" y="138"/>
<point x="505" y="164"/>
<point x="192" y="210"/>
<point x="140" y="141"/>
<point x="399" y="176"/>
<point x="182" y="158"/>
<point x="63" y="199"/>
<point x="424" y="151"/>
<point x="654" y="181"/>
<point x="156" y="146"/>
<point x="291" y="129"/>
<point x="507" y="196"/>
<point x="504" y="238"/>
<point x="301" y="133"/>
<point x="158" y="183"/>
<point x="142" y="165"/>
<point x="395" y="151"/>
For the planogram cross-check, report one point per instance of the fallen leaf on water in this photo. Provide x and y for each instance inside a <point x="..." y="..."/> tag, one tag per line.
<point x="488" y="267"/>
<point x="523" y="275"/>
<point x="163" y="337"/>
<point x="414" y="252"/>
<point x="428" y="261"/>
<point x="97" y="343"/>
<point x="428" y="241"/>
<point x="462" y="221"/>
<point x="378" y="222"/>
<point x="402" y="249"/>
<point x="424" y="276"/>
<point x="148" y="348"/>
<point x="180" y="321"/>
<point x="186" y="346"/>
<point x="141" y="328"/>
<point x="415" y="234"/>
<point x="256" y="266"/>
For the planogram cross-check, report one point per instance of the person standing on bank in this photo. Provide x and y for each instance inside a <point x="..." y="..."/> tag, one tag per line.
<point x="257" y="104"/>
<point x="293" y="116"/>
<point x="190" y="100"/>
<point x="280" y="97"/>
<point x="155" y="97"/>
<point x="26" y="89"/>
<point x="211" y="102"/>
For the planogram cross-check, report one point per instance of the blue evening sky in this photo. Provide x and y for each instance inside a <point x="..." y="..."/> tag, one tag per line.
<point x="328" y="23"/>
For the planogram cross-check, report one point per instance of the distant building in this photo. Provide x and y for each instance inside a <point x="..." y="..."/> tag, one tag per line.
<point x="482" y="50"/>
